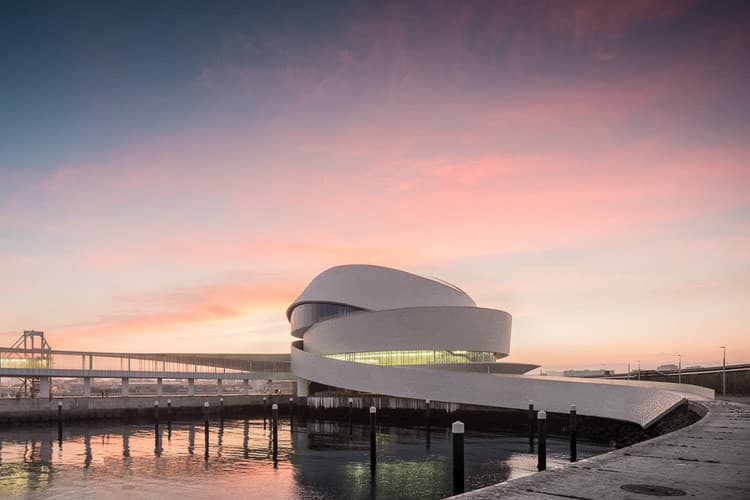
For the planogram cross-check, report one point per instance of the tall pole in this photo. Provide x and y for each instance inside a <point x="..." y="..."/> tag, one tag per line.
<point x="679" y="368"/>
<point x="724" y="374"/>
<point x="639" y="369"/>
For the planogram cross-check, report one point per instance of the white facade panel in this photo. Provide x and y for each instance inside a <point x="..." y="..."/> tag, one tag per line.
<point x="450" y="328"/>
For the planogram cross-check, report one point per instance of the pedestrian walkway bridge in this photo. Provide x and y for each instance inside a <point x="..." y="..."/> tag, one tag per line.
<point x="37" y="362"/>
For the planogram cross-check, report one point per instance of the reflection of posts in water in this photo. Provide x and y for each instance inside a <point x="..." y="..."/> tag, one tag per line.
<point x="221" y="432"/>
<point x="191" y="438"/>
<point x="46" y="452"/>
<point x="126" y="443"/>
<point x="246" y="438"/>
<point x="205" y="453"/>
<point x="59" y="424"/>
<point x="87" y="446"/>
<point x="275" y="432"/>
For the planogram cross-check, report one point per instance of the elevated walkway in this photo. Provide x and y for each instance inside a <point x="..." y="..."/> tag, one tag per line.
<point x="40" y="364"/>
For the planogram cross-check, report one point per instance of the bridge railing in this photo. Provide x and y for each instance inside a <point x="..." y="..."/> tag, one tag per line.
<point x="23" y="359"/>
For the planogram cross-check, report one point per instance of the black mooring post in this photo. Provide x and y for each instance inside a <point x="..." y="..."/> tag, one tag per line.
<point x="531" y="425"/>
<point x="573" y="437"/>
<point x="156" y="426"/>
<point x="427" y="416"/>
<point x="457" y="430"/>
<point x="169" y="419"/>
<point x="373" y="422"/>
<point x="351" y="409"/>
<point x="542" y="422"/>
<point x="59" y="424"/>
<point x="265" y="413"/>
<point x="291" y="414"/>
<point x="275" y="431"/>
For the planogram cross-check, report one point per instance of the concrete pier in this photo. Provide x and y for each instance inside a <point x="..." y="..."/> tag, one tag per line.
<point x="709" y="459"/>
<point x="40" y="410"/>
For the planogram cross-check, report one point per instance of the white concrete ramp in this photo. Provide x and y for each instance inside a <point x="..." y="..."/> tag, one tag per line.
<point x="632" y="401"/>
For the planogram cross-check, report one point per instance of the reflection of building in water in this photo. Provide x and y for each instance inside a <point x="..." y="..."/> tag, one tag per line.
<point x="317" y="458"/>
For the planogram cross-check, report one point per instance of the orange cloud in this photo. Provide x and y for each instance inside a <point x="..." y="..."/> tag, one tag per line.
<point x="158" y="312"/>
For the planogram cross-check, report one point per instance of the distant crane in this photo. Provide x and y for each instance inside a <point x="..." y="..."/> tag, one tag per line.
<point x="33" y="352"/>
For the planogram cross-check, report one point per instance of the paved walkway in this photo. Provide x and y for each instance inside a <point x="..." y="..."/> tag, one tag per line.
<point x="709" y="459"/>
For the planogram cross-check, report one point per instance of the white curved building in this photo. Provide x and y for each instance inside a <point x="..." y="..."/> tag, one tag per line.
<point x="379" y="330"/>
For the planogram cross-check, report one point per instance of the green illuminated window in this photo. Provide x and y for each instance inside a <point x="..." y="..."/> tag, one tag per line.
<point x="421" y="357"/>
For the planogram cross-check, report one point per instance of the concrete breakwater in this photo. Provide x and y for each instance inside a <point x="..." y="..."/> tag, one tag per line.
<point x="391" y="411"/>
<point x="709" y="459"/>
<point x="413" y="412"/>
<point x="42" y="410"/>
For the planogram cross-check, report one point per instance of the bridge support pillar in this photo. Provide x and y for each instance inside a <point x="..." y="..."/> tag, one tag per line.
<point x="218" y="386"/>
<point x="125" y="387"/>
<point x="245" y="387"/>
<point x="86" y="387"/>
<point x="158" y="386"/>
<point x="303" y="388"/>
<point x="191" y="387"/>
<point x="44" y="387"/>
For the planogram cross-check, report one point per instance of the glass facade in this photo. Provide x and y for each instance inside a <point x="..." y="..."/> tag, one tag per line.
<point x="421" y="357"/>
<point x="305" y="315"/>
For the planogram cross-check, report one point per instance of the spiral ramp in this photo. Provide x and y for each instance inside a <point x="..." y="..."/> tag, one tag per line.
<point x="383" y="331"/>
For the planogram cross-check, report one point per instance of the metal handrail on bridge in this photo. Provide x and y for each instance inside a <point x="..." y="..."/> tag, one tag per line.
<point x="52" y="362"/>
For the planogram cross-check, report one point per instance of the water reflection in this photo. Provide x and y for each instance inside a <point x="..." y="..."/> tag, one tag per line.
<point x="310" y="459"/>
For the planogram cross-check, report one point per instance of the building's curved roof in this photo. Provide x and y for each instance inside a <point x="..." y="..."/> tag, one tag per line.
<point x="377" y="288"/>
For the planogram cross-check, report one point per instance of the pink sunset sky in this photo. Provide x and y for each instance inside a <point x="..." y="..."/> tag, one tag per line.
<point x="583" y="166"/>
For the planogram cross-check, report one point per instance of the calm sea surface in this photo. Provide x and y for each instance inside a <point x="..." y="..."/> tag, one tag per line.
<point x="316" y="459"/>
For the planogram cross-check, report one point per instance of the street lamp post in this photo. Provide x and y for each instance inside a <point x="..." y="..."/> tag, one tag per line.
<point x="639" y="369"/>
<point x="724" y="373"/>
<point x="679" y="369"/>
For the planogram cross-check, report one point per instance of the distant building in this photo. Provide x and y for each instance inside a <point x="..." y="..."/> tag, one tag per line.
<point x="667" y="368"/>
<point x="588" y="373"/>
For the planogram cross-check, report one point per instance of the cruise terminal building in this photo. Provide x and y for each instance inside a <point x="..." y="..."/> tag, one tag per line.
<point x="378" y="330"/>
